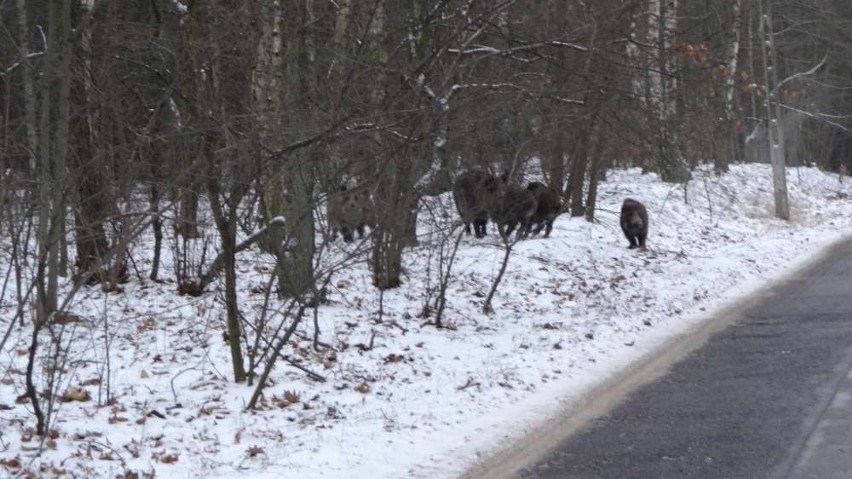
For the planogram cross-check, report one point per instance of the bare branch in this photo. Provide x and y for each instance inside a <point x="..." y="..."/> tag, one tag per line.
<point x="818" y="116"/>
<point x="802" y="74"/>
<point x="487" y="50"/>
<point x="20" y="62"/>
<point x="219" y="263"/>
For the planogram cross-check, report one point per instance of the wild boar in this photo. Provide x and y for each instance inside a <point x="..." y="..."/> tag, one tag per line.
<point x="350" y="210"/>
<point x="511" y="207"/>
<point x="472" y="192"/>
<point x="634" y="223"/>
<point x="548" y="207"/>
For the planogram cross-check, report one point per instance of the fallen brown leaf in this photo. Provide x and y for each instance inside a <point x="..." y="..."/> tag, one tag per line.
<point x="363" y="388"/>
<point x="13" y="463"/>
<point x="291" y="397"/>
<point x="75" y="394"/>
<point x="394" y="358"/>
<point x="254" y="451"/>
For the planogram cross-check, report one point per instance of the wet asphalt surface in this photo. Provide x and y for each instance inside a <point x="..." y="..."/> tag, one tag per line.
<point x="768" y="397"/>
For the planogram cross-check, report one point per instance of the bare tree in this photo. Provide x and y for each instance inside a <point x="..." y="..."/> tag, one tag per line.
<point x="775" y="138"/>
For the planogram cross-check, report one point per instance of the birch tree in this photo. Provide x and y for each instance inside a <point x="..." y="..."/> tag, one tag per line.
<point x="282" y="80"/>
<point x="732" y="72"/>
<point x="662" y="86"/>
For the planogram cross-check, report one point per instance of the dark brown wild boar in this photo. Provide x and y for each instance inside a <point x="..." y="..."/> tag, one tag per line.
<point x="512" y="206"/>
<point x="634" y="222"/>
<point x="548" y="207"/>
<point x="472" y="192"/>
<point x="350" y="210"/>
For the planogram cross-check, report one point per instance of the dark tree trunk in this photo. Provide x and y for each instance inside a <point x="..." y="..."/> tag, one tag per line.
<point x="394" y="228"/>
<point x="89" y="215"/>
<point x="579" y="163"/>
<point x="228" y="241"/>
<point x="595" y="170"/>
<point x="556" y="160"/>
<point x="226" y="224"/>
<point x="296" y="264"/>
<point x="188" y="216"/>
<point x="157" y="227"/>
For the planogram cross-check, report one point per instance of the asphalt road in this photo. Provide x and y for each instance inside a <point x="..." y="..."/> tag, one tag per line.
<point x="769" y="396"/>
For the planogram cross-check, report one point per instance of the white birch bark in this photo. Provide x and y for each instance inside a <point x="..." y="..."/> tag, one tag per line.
<point x="268" y="91"/>
<point x="732" y="61"/>
<point x="669" y="28"/>
<point x="267" y="75"/>
<point x="654" y="81"/>
<point x="658" y="84"/>
<point x="662" y="86"/>
<point x="284" y="70"/>
<point x="635" y="59"/>
<point x="729" y="143"/>
<point x="662" y="23"/>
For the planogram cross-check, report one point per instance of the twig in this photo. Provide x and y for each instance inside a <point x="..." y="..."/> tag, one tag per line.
<point x="311" y="374"/>
<point x="470" y="382"/>
<point x="283" y="341"/>
<point x="397" y="325"/>
<point x="304" y="337"/>
<point x="487" y="308"/>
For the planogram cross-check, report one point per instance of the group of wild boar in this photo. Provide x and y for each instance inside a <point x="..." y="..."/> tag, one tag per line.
<point x="479" y="197"/>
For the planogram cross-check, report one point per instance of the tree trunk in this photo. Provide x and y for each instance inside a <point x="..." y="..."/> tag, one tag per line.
<point x="92" y="201"/>
<point x="594" y="175"/>
<point x="187" y="221"/>
<point x="775" y="133"/>
<point x="283" y="72"/>
<point x="296" y="265"/>
<point x="661" y="85"/>
<point x="556" y="159"/>
<point x="387" y="255"/>
<point x="730" y="142"/>
<point x="226" y="224"/>
<point x="229" y="242"/>
<point x="157" y="227"/>
<point x="89" y="214"/>
<point x="199" y="110"/>
<point x="580" y="155"/>
<point x="30" y="98"/>
<point x="51" y="156"/>
<point x="579" y="164"/>
<point x="394" y="200"/>
<point x="52" y="153"/>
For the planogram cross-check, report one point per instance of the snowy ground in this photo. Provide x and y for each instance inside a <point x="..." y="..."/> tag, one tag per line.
<point x="421" y="403"/>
